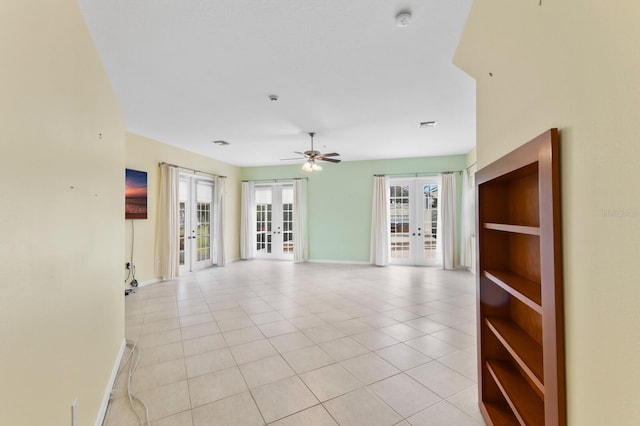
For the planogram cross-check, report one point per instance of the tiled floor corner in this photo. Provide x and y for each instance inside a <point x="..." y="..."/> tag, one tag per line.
<point x="281" y="343"/>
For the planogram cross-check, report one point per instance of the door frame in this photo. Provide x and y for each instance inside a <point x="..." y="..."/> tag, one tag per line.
<point x="279" y="230"/>
<point x="414" y="226"/>
<point x="189" y="240"/>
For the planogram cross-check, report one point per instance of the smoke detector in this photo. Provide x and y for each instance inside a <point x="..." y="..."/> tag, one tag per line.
<point x="403" y="18"/>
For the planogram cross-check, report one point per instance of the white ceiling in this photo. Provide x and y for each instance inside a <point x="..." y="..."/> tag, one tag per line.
<point x="188" y="72"/>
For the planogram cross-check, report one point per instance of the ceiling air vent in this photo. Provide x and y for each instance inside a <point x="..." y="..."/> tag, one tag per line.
<point x="428" y="124"/>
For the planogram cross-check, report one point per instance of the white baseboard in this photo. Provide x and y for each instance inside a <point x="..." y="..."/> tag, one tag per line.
<point x="346" y="262"/>
<point x="112" y="379"/>
<point x="145" y="283"/>
<point x="149" y="282"/>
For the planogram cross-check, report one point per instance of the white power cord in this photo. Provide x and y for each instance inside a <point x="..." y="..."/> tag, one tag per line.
<point x="133" y="365"/>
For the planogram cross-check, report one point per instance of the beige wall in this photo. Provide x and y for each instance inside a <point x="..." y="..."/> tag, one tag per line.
<point x="575" y="65"/>
<point x="144" y="154"/>
<point x="61" y="225"/>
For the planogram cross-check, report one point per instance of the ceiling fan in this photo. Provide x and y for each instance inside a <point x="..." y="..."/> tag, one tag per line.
<point x="312" y="155"/>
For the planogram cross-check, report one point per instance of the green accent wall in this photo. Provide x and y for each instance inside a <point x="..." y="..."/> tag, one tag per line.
<point x="339" y="200"/>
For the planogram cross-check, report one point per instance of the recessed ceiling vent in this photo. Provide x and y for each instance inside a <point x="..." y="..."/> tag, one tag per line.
<point x="425" y="124"/>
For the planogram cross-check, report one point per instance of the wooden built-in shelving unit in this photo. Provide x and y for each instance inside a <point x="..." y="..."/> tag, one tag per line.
<point x="519" y="278"/>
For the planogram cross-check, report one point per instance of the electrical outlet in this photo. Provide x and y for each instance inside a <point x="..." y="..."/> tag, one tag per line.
<point x="74" y="412"/>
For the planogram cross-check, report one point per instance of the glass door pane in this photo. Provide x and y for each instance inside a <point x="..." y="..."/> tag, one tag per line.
<point x="204" y="202"/>
<point x="430" y="221"/>
<point x="287" y="220"/>
<point x="400" y="208"/>
<point x="263" y="197"/>
<point x="183" y="214"/>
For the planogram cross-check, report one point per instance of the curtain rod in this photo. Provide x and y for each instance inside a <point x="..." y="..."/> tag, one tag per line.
<point x="275" y="180"/>
<point x="475" y="163"/>
<point x="193" y="170"/>
<point x="417" y="174"/>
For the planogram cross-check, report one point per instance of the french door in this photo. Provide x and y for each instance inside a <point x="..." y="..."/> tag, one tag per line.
<point x="415" y="219"/>
<point x="196" y="223"/>
<point x="274" y="221"/>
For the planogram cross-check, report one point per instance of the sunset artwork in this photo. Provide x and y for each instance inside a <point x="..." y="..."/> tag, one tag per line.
<point x="135" y="194"/>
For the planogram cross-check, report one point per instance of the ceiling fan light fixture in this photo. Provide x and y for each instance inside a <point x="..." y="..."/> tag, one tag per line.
<point x="311" y="166"/>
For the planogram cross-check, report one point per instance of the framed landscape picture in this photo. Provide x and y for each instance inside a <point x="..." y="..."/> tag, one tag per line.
<point x="135" y="194"/>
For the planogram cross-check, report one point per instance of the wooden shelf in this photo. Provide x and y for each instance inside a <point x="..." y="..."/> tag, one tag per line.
<point x="524" y="402"/>
<point x="524" y="350"/>
<point x="519" y="276"/>
<point x="516" y="229"/>
<point x="524" y="290"/>
<point x="500" y="415"/>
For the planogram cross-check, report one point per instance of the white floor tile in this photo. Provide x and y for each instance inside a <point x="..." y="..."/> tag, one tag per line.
<point x="265" y="371"/>
<point x="440" y="379"/>
<point x="252" y="351"/>
<point x="304" y="344"/>
<point x="307" y="359"/>
<point x="402" y="356"/>
<point x="239" y="410"/>
<point x="214" y="386"/>
<point x="290" y="341"/>
<point x="361" y="408"/>
<point x="369" y="368"/>
<point x="209" y="362"/>
<point x="344" y="348"/>
<point x="330" y="381"/>
<point x="314" y="416"/>
<point x="282" y="398"/>
<point x="440" y="414"/>
<point x="404" y="395"/>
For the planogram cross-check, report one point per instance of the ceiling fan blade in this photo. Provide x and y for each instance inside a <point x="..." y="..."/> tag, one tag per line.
<point x="331" y="154"/>
<point x="296" y="158"/>
<point x="330" y="160"/>
<point x="299" y="153"/>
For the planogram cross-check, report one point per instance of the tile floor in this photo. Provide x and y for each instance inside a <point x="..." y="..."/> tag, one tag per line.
<point x="278" y="343"/>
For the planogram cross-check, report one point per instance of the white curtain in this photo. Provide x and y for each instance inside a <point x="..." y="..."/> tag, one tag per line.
<point x="380" y="225"/>
<point x="168" y="238"/>
<point x="467" y="225"/>
<point x="247" y="221"/>
<point x="300" y="232"/>
<point x="448" y="215"/>
<point x="220" y="220"/>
